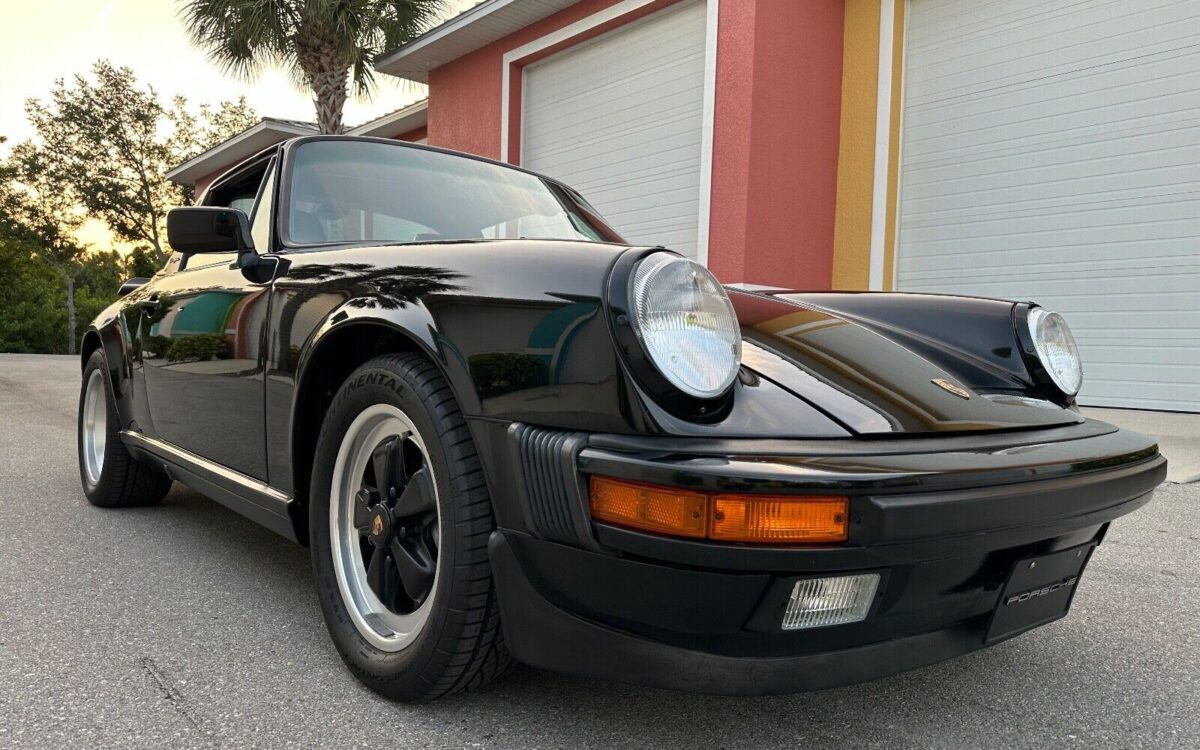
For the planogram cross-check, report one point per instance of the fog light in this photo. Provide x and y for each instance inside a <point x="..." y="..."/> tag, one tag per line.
<point x="820" y="602"/>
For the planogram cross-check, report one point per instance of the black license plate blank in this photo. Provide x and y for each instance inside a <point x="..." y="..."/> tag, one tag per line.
<point x="1039" y="590"/>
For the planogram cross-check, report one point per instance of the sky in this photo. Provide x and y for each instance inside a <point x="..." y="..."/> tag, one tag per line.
<point x="41" y="40"/>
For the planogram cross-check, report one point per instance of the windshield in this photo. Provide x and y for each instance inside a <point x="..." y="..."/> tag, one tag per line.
<point x="357" y="191"/>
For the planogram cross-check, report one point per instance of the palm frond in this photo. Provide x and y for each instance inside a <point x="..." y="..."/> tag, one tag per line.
<point x="307" y="38"/>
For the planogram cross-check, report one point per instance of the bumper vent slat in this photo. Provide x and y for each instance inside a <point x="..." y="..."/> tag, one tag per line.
<point x="552" y="486"/>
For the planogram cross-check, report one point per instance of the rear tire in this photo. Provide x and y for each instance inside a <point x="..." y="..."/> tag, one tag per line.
<point x="408" y="636"/>
<point x="111" y="477"/>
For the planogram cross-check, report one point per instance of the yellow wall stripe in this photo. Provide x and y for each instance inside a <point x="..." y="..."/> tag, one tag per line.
<point x="856" y="149"/>
<point x="889" y="258"/>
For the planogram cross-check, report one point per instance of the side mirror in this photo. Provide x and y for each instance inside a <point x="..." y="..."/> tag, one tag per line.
<point x="131" y="285"/>
<point x="208" y="229"/>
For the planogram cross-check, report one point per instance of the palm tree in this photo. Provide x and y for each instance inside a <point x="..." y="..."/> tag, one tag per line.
<point x="326" y="45"/>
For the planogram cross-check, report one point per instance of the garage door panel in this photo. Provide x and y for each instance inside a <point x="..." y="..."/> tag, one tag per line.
<point x="668" y="93"/>
<point x="675" y="136"/>
<point x="1148" y="204"/>
<point x="619" y="118"/>
<point x="1155" y="149"/>
<point x="1104" y="286"/>
<point x="1009" y="33"/>
<point x="1157" y="207"/>
<point x="1028" y="234"/>
<point x="1027" y="63"/>
<point x="1051" y="152"/>
<point x="958" y="148"/>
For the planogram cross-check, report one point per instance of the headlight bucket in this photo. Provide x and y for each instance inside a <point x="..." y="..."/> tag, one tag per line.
<point x="677" y="332"/>
<point x="1051" y="353"/>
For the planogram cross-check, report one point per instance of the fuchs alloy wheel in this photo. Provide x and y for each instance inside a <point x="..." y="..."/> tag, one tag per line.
<point x="399" y="518"/>
<point x="384" y="527"/>
<point x="111" y="477"/>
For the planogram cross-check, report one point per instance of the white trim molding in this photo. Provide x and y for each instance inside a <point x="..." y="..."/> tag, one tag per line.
<point x="476" y="27"/>
<point x="396" y="123"/>
<point x="708" y="124"/>
<point x="883" y="129"/>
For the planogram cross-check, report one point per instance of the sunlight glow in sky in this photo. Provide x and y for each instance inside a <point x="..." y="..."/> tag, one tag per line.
<point x="41" y="40"/>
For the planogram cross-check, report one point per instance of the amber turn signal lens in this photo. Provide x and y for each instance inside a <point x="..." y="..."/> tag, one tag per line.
<point x="761" y="519"/>
<point x="750" y="518"/>
<point x="649" y="507"/>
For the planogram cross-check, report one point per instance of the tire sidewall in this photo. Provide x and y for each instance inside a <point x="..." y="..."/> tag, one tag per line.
<point x="367" y="387"/>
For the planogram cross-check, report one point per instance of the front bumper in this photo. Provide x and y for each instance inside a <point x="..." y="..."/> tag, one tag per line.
<point x="942" y="520"/>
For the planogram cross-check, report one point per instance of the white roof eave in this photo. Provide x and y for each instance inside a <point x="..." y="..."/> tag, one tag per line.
<point x="395" y="123"/>
<point x="241" y="146"/>
<point x="472" y="29"/>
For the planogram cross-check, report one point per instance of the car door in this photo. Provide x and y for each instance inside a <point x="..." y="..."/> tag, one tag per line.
<point x="202" y="346"/>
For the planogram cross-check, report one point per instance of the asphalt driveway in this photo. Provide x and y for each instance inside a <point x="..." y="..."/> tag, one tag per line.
<point x="187" y="626"/>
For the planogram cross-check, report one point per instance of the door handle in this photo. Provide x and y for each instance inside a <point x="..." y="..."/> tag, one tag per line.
<point x="149" y="305"/>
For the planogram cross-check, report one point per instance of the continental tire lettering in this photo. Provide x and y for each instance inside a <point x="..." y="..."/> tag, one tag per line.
<point x="375" y="378"/>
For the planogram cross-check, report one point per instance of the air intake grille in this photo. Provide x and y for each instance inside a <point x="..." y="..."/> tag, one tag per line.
<point x="547" y="460"/>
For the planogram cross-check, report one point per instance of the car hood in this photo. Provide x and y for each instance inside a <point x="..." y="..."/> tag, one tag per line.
<point x="875" y="383"/>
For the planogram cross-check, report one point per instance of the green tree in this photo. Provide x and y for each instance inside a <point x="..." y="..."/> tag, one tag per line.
<point x="39" y="210"/>
<point x="141" y="262"/>
<point x="116" y="142"/>
<point x="32" y="316"/>
<point x="326" y="45"/>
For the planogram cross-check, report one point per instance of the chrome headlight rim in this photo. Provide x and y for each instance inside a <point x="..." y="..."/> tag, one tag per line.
<point x="1031" y="331"/>
<point x="637" y="357"/>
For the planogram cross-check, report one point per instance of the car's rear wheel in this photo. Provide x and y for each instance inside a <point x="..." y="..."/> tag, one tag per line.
<point x="111" y="477"/>
<point x="399" y="519"/>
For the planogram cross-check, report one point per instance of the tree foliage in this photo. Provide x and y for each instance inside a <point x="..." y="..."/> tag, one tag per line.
<point x="103" y="147"/>
<point x="33" y="317"/>
<point x="113" y="142"/>
<point x="326" y="45"/>
<point x="38" y="210"/>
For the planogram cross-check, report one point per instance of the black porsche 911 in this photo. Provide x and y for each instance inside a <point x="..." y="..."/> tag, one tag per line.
<point x="506" y="433"/>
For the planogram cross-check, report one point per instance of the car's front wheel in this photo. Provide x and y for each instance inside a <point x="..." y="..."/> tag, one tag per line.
<point x="399" y="519"/>
<point x="111" y="477"/>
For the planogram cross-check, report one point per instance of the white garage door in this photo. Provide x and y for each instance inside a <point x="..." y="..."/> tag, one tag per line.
<point x="618" y="118"/>
<point x="1051" y="152"/>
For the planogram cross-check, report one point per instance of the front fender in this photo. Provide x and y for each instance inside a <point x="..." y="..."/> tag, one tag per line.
<point x="413" y="322"/>
<point x="517" y="327"/>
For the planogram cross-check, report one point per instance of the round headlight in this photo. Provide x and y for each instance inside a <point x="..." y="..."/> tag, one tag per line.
<point x="1056" y="349"/>
<point x="686" y="324"/>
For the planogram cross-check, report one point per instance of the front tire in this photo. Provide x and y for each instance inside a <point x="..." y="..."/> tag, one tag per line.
<point x="111" y="477"/>
<point x="399" y="519"/>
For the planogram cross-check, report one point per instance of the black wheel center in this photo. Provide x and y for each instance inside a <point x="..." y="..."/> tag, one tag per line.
<point x="379" y="529"/>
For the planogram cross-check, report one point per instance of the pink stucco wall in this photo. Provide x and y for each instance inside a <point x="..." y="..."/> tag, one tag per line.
<point x="775" y="141"/>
